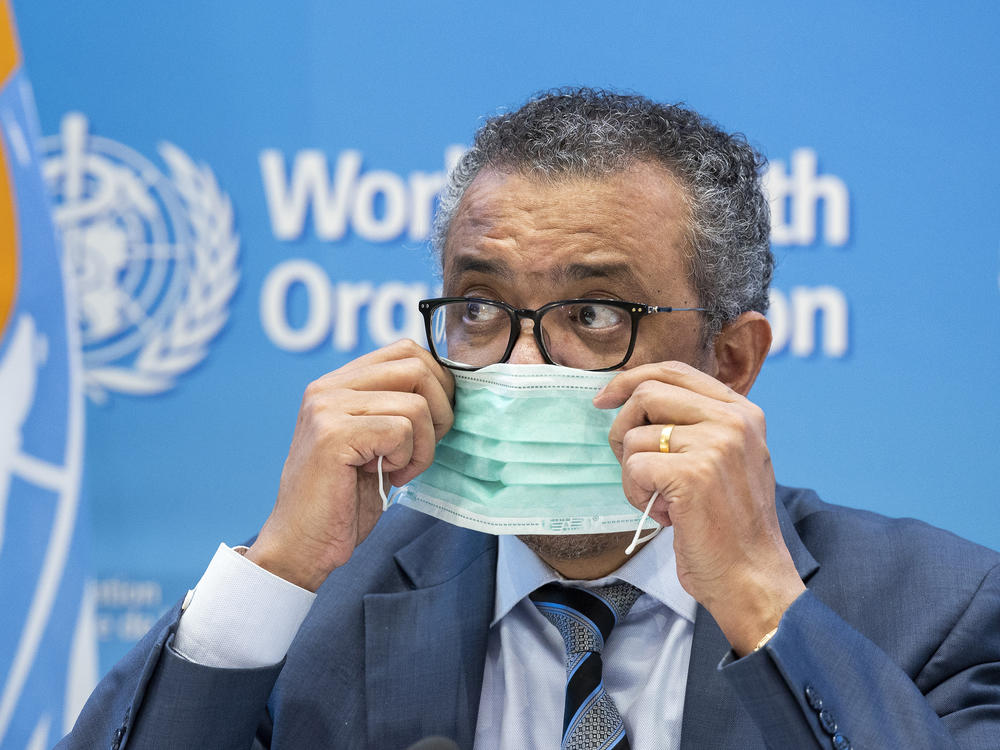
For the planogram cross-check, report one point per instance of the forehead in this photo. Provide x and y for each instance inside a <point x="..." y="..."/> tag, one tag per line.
<point x="631" y="224"/>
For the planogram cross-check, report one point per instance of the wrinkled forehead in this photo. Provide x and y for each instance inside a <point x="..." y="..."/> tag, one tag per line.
<point x="637" y="217"/>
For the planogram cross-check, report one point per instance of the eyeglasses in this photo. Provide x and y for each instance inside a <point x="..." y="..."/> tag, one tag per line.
<point x="467" y="333"/>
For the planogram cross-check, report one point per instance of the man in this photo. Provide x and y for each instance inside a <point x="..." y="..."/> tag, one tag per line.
<point x="763" y="617"/>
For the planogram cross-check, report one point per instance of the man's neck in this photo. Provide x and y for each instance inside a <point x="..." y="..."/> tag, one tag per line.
<point x="591" y="567"/>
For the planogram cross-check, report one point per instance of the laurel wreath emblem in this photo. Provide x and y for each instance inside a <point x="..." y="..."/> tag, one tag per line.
<point x="183" y="341"/>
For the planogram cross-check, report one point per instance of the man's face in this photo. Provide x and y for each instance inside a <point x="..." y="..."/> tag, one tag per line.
<point x="527" y="242"/>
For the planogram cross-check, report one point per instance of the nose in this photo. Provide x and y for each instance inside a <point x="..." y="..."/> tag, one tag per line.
<point x="525" y="350"/>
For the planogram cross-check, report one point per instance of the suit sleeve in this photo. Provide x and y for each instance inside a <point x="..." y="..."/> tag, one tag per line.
<point x="154" y="698"/>
<point x="819" y="683"/>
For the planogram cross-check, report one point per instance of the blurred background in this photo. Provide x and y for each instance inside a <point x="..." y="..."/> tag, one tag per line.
<point x="243" y="193"/>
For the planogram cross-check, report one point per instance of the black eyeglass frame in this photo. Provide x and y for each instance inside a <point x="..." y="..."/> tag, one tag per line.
<point x="636" y="310"/>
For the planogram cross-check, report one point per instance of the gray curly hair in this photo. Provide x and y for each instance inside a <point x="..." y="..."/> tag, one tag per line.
<point x="585" y="132"/>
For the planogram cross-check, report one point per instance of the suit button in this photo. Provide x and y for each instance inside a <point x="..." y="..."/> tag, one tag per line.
<point x="814" y="698"/>
<point x="840" y="742"/>
<point x="828" y="722"/>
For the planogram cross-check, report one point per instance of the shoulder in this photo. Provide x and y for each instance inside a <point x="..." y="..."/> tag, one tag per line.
<point x="836" y="533"/>
<point x="886" y="574"/>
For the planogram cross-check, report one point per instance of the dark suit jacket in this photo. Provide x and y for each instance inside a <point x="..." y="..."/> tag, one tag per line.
<point x="895" y="645"/>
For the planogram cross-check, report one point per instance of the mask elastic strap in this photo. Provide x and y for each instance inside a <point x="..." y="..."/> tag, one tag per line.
<point x="636" y="540"/>
<point x="386" y="502"/>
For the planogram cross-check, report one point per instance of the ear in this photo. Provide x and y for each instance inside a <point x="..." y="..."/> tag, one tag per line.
<point x="740" y="350"/>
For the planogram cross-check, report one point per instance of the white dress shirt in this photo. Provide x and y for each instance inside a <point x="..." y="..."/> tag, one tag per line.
<point x="241" y="616"/>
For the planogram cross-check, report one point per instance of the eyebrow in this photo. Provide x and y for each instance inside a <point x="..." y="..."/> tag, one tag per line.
<point x="573" y="272"/>
<point x="584" y="271"/>
<point x="489" y="267"/>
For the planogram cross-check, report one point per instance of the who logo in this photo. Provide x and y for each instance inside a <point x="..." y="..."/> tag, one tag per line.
<point x="154" y="257"/>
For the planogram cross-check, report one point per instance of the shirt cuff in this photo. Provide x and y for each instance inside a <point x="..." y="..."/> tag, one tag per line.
<point x="240" y="616"/>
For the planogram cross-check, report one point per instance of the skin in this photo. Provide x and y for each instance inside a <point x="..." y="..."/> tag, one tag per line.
<point x="527" y="242"/>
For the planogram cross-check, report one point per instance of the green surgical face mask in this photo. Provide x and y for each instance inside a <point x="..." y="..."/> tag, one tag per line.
<point x="528" y="454"/>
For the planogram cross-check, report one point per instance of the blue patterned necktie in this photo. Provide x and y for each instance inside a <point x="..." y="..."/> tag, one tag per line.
<point x="585" y="618"/>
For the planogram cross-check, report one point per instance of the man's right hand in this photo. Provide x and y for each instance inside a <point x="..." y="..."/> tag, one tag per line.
<point x="394" y="402"/>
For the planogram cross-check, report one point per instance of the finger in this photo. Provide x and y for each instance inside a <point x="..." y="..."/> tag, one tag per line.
<point x="400" y="350"/>
<point x="678" y="374"/>
<point x="412" y="406"/>
<point x="645" y="473"/>
<point x="646" y="439"/>
<point x="410" y="375"/>
<point x="653" y="402"/>
<point x="387" y="435"/>
<point x="392" y="437"/>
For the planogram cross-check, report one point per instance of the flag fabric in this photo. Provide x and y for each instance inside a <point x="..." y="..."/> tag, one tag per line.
<point x="48" y="656"/>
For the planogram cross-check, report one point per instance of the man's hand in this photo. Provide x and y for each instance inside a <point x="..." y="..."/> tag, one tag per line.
<point x="394" y="402"/>
<point x="716" y="489"/>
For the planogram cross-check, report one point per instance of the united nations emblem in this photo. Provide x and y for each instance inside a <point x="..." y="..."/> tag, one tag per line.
<point x="154" y="257"/>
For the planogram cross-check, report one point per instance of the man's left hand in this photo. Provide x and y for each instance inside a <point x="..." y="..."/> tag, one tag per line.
<point x="716" y="488"/>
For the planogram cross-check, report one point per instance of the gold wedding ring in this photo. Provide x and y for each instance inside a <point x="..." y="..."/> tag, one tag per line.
<point x="665" y="438"/>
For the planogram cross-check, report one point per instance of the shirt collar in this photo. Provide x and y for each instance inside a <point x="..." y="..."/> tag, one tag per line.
<point x="653" y="570"/>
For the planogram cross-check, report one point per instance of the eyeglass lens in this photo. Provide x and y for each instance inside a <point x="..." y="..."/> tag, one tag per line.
<point x="587" y="336"/>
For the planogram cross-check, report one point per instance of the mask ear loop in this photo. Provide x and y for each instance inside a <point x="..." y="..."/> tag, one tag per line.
<point x="636" y="540"/>
<point x="386" y="501"/>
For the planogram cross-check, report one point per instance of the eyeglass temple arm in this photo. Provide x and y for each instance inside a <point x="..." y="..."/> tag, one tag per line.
<point x="658" y="309"/>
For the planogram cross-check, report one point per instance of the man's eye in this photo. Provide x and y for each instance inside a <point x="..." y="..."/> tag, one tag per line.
<point x="596" y="317"/>
<point x="477" y="312"/>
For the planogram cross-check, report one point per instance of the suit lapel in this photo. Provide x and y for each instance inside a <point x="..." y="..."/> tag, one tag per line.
<point x="713" y="716"/>
<point x="425" y="648"/>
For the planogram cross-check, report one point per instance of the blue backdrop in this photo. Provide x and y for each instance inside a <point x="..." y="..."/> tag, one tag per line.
<point x="244" y="190"/>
